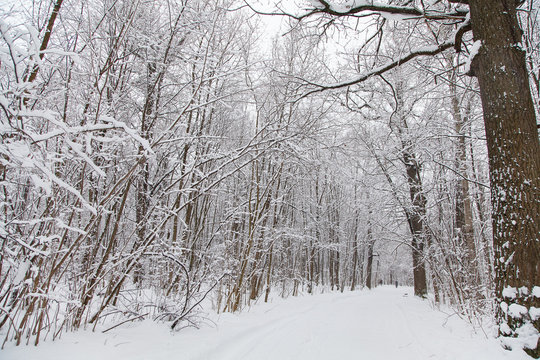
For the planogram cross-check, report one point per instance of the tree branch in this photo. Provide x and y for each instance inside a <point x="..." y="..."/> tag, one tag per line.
<point x="426" y="51"/>
<point x="375" y="8"/>
<point x="46" y="38"/>
<point x="330" y="9"/>
<point x="465" y="27"/>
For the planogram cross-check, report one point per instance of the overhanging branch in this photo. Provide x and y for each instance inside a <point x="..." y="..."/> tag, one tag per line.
<point x="362" y="9"/>
<point x="426" y="51"/>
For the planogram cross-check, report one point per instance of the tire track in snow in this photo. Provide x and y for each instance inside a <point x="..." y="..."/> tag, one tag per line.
<point x="241" y="344"/>
<point x="421" y="350"/>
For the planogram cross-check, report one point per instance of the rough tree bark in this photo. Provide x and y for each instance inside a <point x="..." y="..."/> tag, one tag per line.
<point x="514" y="161"/>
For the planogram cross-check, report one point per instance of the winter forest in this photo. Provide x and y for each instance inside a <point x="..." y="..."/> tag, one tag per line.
<point x="165" y="159"/>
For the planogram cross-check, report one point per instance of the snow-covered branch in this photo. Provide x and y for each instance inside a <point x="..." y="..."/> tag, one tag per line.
<point x="424" y="51"/>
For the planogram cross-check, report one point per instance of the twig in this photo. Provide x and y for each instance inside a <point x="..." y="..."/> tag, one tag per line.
<point x="123" y="322"/>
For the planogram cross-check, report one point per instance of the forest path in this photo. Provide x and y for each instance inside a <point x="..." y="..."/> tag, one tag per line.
<point x="385" y="323"/>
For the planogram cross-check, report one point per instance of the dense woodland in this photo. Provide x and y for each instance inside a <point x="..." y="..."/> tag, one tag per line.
<point x="163" y="158"/>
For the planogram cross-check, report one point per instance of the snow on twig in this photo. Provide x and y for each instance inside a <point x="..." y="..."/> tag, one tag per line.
<point x="65" y="186"/>
<point x="133" y="133"/>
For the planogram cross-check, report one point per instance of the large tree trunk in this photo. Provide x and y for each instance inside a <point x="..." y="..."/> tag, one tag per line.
<point x="514" y="159"/>
<point x="416" y="212"/>
<point x="416" y="219"/>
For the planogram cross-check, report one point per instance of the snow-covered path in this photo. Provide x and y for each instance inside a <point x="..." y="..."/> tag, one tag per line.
<point x="371" y="325"/>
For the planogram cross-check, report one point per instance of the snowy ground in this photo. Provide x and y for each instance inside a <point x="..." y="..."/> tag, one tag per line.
<point x="379" y="324"/>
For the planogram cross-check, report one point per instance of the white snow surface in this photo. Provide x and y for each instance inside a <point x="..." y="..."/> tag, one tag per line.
<point x="384" y="323"/>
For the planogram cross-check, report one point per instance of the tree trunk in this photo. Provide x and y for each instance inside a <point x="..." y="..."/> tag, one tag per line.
<point x="355" y="253"/>
<point x="464" y="226"/>
<point x="416" y="221"/>
<point x="369" y="268"/>
<point x="416" y="213"/>
<point x="514" y="159"/>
